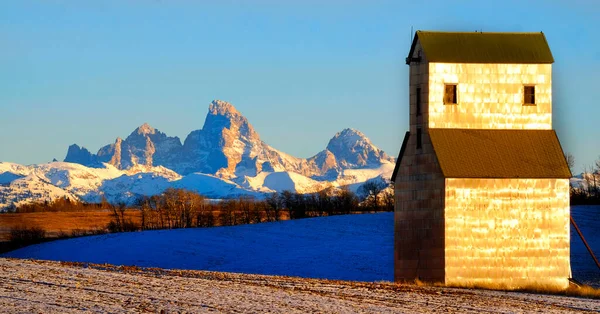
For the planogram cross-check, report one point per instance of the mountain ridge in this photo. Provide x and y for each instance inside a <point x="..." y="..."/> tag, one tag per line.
<point x="226" y="158"/>
<point x="228" y="146"/>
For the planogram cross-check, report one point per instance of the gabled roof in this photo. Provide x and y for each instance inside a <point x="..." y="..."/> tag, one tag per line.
<point x="480" y="47"/>
<point x="475" y="153"/>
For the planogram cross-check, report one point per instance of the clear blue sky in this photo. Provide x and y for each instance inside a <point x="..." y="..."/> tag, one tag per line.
<point x="86" y="72"/>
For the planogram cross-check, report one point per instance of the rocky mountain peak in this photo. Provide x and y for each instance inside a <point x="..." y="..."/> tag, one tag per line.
<point x="348" y="139"/>
<point x="223" y="115"/>
<point x="353" y="149"/>
<point x="228" y="146"/>
<point x="222" y="108"/>
<point x="80" y="155"/>
<point x="145" y="129"/>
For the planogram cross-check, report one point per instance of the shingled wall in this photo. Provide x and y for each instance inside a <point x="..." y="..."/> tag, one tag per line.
<point x="508" y="233"/>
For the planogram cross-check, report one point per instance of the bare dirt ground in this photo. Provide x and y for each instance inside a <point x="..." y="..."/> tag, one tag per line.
<point x="28" y="286"/>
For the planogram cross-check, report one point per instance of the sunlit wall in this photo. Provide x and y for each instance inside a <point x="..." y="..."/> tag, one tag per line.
<point x="509" y="233"/>
<point x="490" y="96"/>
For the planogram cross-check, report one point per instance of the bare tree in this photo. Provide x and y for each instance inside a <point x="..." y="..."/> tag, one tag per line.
<point x="370" y="192"/>
<point x="570" y="161"/>
<point x="388" y="198"/>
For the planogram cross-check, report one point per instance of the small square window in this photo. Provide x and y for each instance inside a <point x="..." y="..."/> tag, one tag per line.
<point x="529" y="95"/>
<point x="419" y="139"/>
<point x="450" y="94"/>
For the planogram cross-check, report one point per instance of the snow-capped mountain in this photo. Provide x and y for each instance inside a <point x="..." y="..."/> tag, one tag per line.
<point x="144" y="146"/>
<point x="228" y="146"/>
<point x="223" y="159"/>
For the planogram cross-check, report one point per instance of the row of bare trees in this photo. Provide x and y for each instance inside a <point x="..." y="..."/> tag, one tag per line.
<point x="589" y="191"/>
<point x="177" y="208"/>
<point x="58" y="205"/>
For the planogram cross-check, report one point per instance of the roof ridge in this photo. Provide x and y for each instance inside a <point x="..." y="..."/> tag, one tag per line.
<point x="475" y="32"/>
<point x="482" y="47"/>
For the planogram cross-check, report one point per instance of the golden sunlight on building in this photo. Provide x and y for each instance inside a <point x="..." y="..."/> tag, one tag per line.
<point x="481" y="183"/>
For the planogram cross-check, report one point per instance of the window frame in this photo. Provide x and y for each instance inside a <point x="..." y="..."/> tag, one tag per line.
<point x="455" y="98"/>
<point x="531" y="95"/>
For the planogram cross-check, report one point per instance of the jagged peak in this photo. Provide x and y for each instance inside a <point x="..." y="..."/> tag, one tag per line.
<point x="145" y="129"/>
<point x="349" y="137"/>
<point x="221" y="107"/>
<point x="75" y="147"/>
<point x="350" y="132"/>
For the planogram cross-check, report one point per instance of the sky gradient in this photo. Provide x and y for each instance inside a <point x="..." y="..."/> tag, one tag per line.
<point x="87" y="72"/>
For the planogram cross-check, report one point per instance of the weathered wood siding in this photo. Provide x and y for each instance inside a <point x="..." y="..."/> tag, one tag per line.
<point x="490" y="96"/>
<point x="508" y="233"/>
<point x="419" y="193"/>
<point x="419" y="215"/>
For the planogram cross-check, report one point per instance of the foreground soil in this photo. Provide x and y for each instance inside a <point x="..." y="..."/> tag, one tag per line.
<point x="52" y="287"/>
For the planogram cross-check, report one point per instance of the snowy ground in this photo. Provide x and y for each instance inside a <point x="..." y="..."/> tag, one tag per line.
<point x="582" y="264"/>
<point x="52" y="287"/>
<point x="352" y="247"/>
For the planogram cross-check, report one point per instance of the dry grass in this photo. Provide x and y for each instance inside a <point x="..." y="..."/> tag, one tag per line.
<point x="574" y="291"/>
<point x="583" y="291"/>
<point x="57" y="223"/>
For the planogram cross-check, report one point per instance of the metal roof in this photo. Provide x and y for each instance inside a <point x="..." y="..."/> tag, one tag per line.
<point x="482" y="47"/>
<point x="476" y="153"/>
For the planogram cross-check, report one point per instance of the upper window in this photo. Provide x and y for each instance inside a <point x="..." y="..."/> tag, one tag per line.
<point x="418" y="101"/>
<point x="529" y="95"/>
<point x="450" y="92"/>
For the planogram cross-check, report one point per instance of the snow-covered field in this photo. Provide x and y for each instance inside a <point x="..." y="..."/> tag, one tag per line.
<point x="357" y="248"/>
<point x="351" y="247"/>
<point x="582" y="264"/>
<point x="51" y="287"/>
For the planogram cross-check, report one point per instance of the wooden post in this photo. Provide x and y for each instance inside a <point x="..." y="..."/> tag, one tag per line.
<point x="585" y="242"/>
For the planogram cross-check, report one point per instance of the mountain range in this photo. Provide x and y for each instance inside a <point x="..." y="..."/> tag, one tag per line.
<point x="223" y="159"/>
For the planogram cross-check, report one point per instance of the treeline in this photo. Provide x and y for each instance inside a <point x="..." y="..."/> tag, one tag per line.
<point x="177" y="208"/>
<point x="57" y="205"/>
<point x="588" y="193"/>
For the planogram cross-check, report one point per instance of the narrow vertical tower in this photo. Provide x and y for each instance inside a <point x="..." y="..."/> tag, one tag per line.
<point x="481" y="183"/>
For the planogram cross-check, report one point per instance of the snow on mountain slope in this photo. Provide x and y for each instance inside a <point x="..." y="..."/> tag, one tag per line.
<point x="9" y="167"/>
<point x="582" y="180"/>
<point x="284" y="180"/>
<point x="212" y="187"/>
<point x="227" y="148"/>
<point x="295" y="182"/>
<point x="144" y="146"/>
<point x="127" y="188"/>
<point x="46" y="182"/>
<point x="31" y="188"/>
<point x="352" y="149"/>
